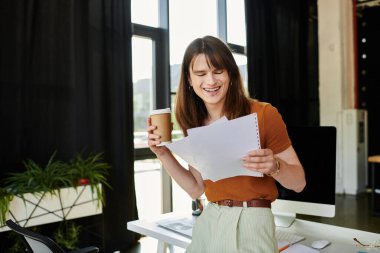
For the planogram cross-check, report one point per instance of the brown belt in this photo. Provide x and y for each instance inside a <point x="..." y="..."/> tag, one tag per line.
<point x="250" y="203"/>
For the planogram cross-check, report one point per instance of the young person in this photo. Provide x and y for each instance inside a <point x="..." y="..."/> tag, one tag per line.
<point x="238" y="217"/>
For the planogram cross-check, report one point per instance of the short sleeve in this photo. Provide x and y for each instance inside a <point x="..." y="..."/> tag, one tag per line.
<point x="276" y="135"/>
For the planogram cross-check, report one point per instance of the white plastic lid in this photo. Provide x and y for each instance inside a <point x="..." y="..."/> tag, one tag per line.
<point x="161" y="111"/>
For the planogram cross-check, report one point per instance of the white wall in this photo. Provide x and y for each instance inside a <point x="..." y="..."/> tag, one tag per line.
<point x="336" y="58"/>
<point x="336" y="89"/>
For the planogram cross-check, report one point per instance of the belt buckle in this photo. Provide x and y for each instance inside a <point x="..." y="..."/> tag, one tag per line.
<point x="229" y="203"/>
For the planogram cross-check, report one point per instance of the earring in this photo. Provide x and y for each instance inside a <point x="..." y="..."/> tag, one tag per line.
<point x="231" y="83"/>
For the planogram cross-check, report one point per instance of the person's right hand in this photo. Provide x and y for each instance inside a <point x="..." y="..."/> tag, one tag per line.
<point x="154" y="140"/>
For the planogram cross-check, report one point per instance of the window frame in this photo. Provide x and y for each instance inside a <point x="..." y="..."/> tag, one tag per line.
<point x="222" y="28"/>
<point x="161" y="72"/>
<point x="161" y="75"/>
<point x="161" y="85"/>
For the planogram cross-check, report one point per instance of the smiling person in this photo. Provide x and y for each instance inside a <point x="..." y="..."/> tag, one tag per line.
<point x="238" y="217"/>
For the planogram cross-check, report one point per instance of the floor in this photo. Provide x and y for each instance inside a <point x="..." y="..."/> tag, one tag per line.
<point x="351" y="211"/>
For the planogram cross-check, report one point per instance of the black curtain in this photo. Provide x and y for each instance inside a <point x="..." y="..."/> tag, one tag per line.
<point x="282" y="49"/>
<point x="66" y="86"/>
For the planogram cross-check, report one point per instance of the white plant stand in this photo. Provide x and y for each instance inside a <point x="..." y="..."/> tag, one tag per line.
<point x="32" y="209"/>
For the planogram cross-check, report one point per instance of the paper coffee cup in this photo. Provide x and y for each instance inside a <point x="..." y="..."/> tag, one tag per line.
<point x="162" y="119"/>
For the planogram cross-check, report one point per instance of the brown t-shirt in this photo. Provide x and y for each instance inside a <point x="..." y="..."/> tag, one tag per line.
<point x="273" y="135"/>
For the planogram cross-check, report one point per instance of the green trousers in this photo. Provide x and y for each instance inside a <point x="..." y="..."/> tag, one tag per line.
<point x="222" y="229"/>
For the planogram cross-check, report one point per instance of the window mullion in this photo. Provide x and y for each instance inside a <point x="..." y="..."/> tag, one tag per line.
<point x="222" y="20"/>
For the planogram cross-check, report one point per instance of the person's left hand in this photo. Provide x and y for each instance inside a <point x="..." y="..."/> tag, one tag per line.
<point x="260" y="160"/>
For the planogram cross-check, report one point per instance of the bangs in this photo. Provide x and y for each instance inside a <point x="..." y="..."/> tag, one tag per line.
<point x="215" y="60"/>
<point x="217" y="54"/>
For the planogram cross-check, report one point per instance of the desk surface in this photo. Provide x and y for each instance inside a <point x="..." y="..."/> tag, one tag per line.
<point x="374" y="159"/>
<point x="341" y="238"/>
<point x="152" y="229"/>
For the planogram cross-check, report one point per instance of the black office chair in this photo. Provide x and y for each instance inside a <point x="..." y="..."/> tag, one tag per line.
<point x="38" y="243"/>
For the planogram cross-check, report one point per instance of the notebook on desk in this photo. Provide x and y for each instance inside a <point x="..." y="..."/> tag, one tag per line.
<point x="181" y="225"/>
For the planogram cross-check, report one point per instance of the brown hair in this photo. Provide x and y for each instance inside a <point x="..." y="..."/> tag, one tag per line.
<point x="190" y="110"/>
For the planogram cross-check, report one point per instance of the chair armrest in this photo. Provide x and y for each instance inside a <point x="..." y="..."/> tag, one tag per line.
<point x="90" y="249"/>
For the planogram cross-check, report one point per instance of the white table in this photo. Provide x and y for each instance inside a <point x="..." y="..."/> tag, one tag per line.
<point x="375" y="160"/>
<point x="341" y="238"/>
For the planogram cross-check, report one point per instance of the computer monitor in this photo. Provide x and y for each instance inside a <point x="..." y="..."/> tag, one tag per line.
<point x="316" y="149"/>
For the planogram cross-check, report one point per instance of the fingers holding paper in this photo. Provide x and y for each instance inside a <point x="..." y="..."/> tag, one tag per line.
<point x="261" y="160"/>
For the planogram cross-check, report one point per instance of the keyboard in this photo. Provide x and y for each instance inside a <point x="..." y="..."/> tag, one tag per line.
<point x="283" y="236"/>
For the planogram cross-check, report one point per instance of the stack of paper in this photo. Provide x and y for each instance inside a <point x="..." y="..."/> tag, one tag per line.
<point x="183" y="225"/>
<point x="216" y="150"/>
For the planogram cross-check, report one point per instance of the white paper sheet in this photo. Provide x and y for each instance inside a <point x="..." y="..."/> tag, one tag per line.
<point x="216" y="150"/>
<point x="183" y="149"/>
<point x="192" y="131"/>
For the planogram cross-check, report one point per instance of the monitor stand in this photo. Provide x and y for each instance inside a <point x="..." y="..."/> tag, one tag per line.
<point x="284" y="219"/>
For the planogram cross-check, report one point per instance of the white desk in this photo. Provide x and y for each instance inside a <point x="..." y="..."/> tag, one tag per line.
<point x="375" y="160"/>
<point x="341" y="238"/>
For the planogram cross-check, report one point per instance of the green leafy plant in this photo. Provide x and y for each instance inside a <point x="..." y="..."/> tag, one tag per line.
<point x="54" y="175"/>
<point x="5" y="199"/>
<point x="36" y="179"/>
<point x="67" y="234"/>
<point x="17" y="246"/>
<point x="90" y="170"/>
<point x="39" y="179"/>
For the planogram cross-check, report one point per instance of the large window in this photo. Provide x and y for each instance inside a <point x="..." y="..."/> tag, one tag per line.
<point x="143" y="15"/>
<point x="193" y="19"/>
<point x="142" y="72"/>
<point x="236" y="22"/>
<point x="187" y="21"/>
<point x="150" y="72"/>
<point x="155" y="79"/>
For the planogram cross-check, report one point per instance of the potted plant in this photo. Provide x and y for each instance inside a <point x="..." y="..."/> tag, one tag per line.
<point x="54" y="192"/>
<point x="90" y="170"/>
<point x="39" y="179"/>
<point x="67" y="234"/>
<point x="5" y="199"/>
